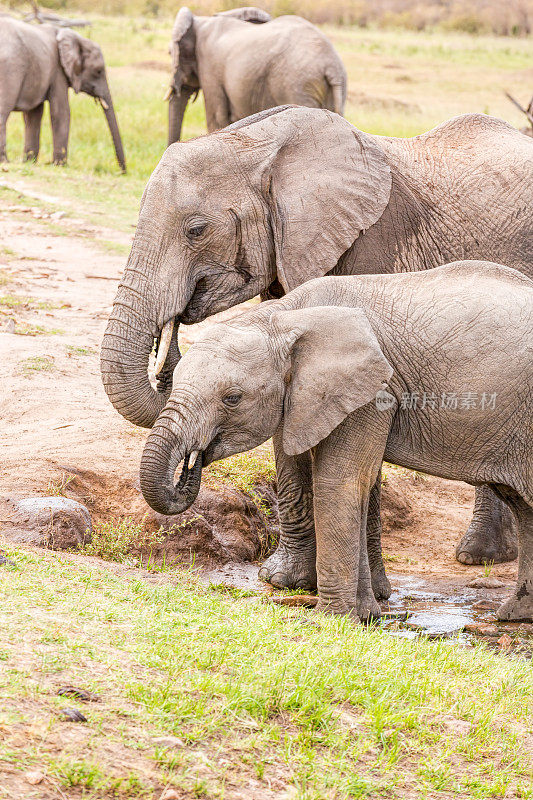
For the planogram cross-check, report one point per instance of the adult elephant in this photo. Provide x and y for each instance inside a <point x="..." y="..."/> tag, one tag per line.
<point x="39" y="64"/>
<point x="244" y="68"/>
<point x="292" y="194"/>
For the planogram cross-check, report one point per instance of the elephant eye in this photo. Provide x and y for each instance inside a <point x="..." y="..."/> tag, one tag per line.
<point x="196" y="230"/>
<point x="232" y="400"/>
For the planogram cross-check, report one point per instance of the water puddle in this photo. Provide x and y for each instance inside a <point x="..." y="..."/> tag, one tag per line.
<point x="433" y="608"/>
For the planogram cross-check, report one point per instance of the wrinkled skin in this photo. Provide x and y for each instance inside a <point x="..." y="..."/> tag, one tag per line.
<point x="245" y="62"/>
<point x="292" y="194"/>
<point x="40" y="63"/>
<point x="310" y="367"/>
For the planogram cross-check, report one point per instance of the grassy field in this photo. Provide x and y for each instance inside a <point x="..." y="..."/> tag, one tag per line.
<point x="204" y="689"/>
<point x="262" y="701"/>
<point x="400" y="83"/>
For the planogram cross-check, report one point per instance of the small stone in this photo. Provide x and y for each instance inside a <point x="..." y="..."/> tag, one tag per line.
<point x="34" y="777"/>
<point x="56" y="522"/>
<point x="9" y="326"/>
<point x="486" y="605"/>
<point x="505" y="642"/>
<point x="482" y="629"/>
<point x="72" y="715"/>
<point x="485" y="582"/>
<point x="168" y="741"/>
<point x="170" y="794"/>
<point x="305" y="600"/>
<point x="79" y="694"/>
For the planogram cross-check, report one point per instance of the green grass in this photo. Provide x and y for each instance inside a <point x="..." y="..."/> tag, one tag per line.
<point x="400" y="83"/>
<point x="38" y="364"/>
<point x="284" y="697"/>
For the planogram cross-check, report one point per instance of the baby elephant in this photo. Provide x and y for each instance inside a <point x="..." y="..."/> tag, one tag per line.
<point x="432" y="371"/>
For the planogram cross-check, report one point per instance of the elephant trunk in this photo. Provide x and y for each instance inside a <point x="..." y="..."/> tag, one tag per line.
<point x="109" y="111"/>
<point x="176" y="109"/>
<point x="163" y="452"/>
<point x="126" y="348"/>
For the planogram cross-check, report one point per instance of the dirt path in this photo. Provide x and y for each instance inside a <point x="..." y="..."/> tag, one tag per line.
<point x="57" y="287"/>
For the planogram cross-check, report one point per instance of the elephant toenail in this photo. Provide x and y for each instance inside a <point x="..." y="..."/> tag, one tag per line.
<point x="465" y="558"/>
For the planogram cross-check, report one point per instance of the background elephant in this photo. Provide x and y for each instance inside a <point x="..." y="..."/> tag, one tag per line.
<point x="40" y="63"/>
<point x="244" y="68"/>
<point x="310" y="367"/>
<point x="295" y="193"/>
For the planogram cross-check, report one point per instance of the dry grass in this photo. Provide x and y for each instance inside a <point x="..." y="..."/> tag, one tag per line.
<point x="512" y="18"/>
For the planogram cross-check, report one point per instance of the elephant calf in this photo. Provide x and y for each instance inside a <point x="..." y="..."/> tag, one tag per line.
<point x="420" y="369"/>
<point x="41" y="63"/>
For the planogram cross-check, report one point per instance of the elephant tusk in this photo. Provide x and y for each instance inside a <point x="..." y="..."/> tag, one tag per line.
<point x="103" y="104"/>
<point x="192" y="458"/>
<point x="168" y="94"/>
<point x="164" y="344"/>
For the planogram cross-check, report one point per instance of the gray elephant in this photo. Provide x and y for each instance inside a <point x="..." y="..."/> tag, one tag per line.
<point x="243" y="68"/>
<point x="295" y="193"/>
<point x="327" y="369"/>
<point x="39" y="64"/>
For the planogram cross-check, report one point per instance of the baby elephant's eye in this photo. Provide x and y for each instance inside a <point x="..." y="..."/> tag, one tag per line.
<point x="196" y="230"/>
<point x="232" y="400"/>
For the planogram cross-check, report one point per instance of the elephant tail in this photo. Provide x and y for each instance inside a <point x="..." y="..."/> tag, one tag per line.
<point x="337" y="83"/>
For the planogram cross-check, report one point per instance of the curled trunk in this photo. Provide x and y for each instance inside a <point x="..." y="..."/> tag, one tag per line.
<point x="125" y="355"/>
<point x="109" y="111"/>
<point x="176" y="110"/>
<point x="162" y="454"/>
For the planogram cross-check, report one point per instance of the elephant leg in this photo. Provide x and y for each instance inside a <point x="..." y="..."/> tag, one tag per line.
<point x="217" y="112"/>
<point x="60" y="119"/>
<point x="293" y="564"/>
<point x="32" y="134"/>
<point x="520" y="605"/>
<point x="492" y="534"/>
<point x="342" y="482"/>
<point x="3" y="137"/>
<point x="380" y="583"/>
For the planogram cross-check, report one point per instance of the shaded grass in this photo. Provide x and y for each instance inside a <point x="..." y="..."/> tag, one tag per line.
<point x="286" y="697"/>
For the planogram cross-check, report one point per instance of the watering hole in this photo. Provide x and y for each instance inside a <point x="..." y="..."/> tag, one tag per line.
<point x="433" y="608"/>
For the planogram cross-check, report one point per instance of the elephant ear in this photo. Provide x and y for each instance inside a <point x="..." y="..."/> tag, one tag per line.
<point x="325" y="182"/>
<point x="183" y="45"/>
<point x="333" y="365"/>
<point x="247" y="14"/>
<point x="70" y="48"/>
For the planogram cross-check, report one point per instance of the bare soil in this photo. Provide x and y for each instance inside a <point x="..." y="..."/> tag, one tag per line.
<point x="57" y="422"/>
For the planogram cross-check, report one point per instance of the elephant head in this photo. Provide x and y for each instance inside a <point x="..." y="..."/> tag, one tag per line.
<point x="185" y="70"/>
<point x="83" y="64"/>
<point x="243" y="380"/>
<point x="278" y="196"/>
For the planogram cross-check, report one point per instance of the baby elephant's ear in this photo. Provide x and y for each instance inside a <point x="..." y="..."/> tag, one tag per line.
<point x="334" y="366"/>
<point x="69" y="44"/>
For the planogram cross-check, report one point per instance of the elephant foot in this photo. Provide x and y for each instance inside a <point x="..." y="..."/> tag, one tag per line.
<point x="489" y="541"/>
<point x="367" y="607"/>
<point x="337" y="609"/>
<point x="519" y="607"/>
<point x="3" y="157"/>
<point x="380" y="583"/>
<point x="30" y="155"/>
<point x="294" y="569"/>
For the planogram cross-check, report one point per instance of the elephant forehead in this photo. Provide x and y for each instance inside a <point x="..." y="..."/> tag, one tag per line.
<point x="234" y="342"/>
<point x="202" y="161"/>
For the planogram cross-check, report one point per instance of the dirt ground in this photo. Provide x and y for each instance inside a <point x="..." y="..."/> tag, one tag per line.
<point x="56" y="417"/>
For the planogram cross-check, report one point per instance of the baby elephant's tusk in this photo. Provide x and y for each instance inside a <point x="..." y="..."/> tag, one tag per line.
<point x="104" y="104"/>
<point x="164" y="344"/>
<point x="168" y="94"/>
<point x="192" y="458"/>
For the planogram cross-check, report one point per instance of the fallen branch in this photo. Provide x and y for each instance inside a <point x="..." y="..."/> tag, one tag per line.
<point x="526" y="111"/>
<point x="43" y="17"/>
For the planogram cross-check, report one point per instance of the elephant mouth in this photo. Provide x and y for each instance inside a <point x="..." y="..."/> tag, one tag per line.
<point x="190" y="478"/>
